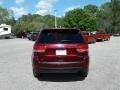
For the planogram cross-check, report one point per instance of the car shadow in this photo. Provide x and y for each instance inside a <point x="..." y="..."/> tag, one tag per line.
<point x="99" y="41"/>
<point x="60" y="77"/>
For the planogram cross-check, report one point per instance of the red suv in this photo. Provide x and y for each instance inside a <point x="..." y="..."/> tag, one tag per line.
<point x="60" y="51"/>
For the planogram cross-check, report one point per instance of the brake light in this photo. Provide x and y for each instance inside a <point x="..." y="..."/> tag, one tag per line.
<point x="82" y="48"/>
<point x="39" y="48"/>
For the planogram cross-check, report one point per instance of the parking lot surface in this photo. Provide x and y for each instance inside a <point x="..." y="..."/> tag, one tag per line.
<point x="16" y="68"/>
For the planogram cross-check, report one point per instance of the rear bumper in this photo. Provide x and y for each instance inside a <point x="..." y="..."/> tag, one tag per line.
<point x="4" y="36"/>
<point x="60" y="70"/>
<point x="99" y="39"/>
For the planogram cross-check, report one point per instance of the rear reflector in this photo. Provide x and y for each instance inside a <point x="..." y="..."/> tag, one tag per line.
<point x="39" y="48"/>
<point x="82" y="50"/>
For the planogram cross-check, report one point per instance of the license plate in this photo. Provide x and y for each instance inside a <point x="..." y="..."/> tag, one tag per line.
<point x="61" y="52"/>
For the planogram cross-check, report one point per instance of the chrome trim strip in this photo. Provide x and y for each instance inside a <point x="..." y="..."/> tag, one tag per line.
<point x="60" y="62"/>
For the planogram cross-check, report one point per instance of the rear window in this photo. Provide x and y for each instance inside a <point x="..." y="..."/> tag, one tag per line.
<point x="5" y="29"/>
<point x="60" y="36"/>
<point x="85" y="33"/>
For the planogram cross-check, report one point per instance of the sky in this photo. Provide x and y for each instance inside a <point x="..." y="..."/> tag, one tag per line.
<point x="43" y="7"/>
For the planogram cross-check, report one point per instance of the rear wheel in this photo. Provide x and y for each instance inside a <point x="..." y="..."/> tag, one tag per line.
<point x="12" y="37"/>
<point x="29" y="38"/>
<point x="108" y="39"/>
<point x="102" y="40"/>
<point x="83" y="73"/>
<point x="94" y="41"/>
<point x="36" y="74"/>
<point x="7" y="38"/>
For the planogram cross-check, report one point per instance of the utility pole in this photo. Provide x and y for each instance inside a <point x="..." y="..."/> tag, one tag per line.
<point x="55" y="11"/>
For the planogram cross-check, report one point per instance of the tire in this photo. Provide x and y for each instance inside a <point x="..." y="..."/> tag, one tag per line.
<point x="7" y="37"/>
<point x="94" y="41"/>
<point x="108" y="39"/>
<point x="32" y="39"/>
<point x="35" y="74"/>
<point x="29" y="39"/>
<point x="102" y="40"/>
<point x="83" y="74"/>
<point x="12" y="37"/>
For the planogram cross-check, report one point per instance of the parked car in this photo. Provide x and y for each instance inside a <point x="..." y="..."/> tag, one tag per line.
<point x="106" y="36"/>
<point x="29" y="35"/>
<point x="101" y="36"/>
<point x="116" y="35"/>
<point x="13" y="36"/>
<point x="33" y="35"/>
<point x="88" y="37"/>
<point x="21" y="35"/>
<point x="60" y="51"/>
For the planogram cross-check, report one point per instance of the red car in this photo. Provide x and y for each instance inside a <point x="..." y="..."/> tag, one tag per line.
<point x="60" y="51"/>
<point x="106" y="36"/>
<point x="101" y="36"/>
<point x="88" y="37"/>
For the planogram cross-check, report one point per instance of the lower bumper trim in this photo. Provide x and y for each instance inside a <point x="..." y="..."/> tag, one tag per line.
<point x="59" y="70"/>
<point x="60" y="62"/>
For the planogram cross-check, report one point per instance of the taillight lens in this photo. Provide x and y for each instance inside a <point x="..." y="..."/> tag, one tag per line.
<point x="39" y="48"/>
<point x="82" y="48"/>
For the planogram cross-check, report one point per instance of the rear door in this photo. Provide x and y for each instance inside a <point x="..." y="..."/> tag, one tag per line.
<point x="61" y="45"/>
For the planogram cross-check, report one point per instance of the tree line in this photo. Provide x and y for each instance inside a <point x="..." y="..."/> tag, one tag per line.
<point x="91" y="18"/>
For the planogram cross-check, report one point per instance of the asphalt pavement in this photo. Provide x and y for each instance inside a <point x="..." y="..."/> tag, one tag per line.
<point x="16" y="68"/>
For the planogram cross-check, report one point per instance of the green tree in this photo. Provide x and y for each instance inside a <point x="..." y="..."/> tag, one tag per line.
<point x="108" y="16"/>
<point x="60" y="22"/>
<point x="79" y="18"/>
<point x="34" y="22"/>
<point x="49" y="21"/>
<point x="5" y="15"/>
<point x="91" y="9"/>
<point x="103" y="17"/>
<point x="115" y="6"/>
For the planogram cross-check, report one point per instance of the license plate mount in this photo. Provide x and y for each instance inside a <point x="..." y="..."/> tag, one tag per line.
<point x="61" y="52"/>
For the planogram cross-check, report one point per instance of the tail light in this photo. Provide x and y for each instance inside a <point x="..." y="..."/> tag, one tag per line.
<point x="82" y="48"/>
<point x="39" y="48"/>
